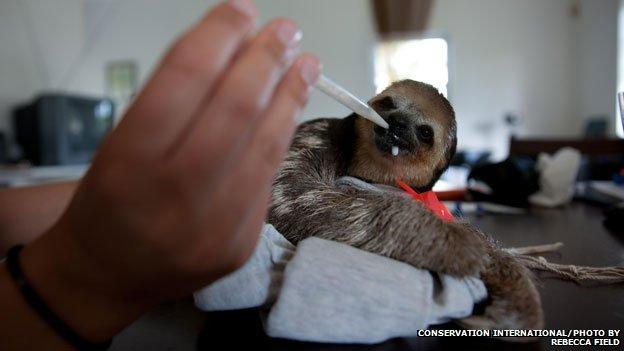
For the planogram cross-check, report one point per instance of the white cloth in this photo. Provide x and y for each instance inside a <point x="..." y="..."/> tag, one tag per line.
<point x="557" y="176"/>
<point x="326" y="291"/>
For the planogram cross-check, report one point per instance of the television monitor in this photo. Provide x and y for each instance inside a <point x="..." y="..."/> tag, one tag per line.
<point x="59" y="129"/>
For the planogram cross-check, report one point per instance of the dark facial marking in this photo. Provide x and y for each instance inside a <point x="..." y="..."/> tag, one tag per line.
<point x="425" y="134"/>
<point x="386" y="104"/>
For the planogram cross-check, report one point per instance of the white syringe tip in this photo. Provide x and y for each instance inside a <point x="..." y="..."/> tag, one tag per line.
<point x="376" y="118"/>
<point x="341" y="95"/>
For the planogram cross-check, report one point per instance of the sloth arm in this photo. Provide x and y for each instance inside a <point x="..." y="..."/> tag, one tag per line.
<point x="307" y="202"/>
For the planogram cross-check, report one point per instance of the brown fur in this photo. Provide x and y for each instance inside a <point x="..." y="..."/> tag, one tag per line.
<point x="307" y="202"/>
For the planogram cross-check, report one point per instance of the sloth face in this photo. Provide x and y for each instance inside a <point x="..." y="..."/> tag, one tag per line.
<point x="417" y="146"/>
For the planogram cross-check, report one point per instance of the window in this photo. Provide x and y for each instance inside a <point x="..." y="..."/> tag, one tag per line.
<point x="425" y="60"/>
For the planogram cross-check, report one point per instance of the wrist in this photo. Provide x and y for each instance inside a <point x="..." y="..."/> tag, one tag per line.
<point x="81" y="294"/>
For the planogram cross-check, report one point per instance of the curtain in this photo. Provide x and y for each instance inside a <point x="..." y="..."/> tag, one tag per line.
<point x="401" y="16"/>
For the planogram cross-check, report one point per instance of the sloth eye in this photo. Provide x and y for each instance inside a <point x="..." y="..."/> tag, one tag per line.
<point x="425" y="133"/>
<point x="386" y="103"/>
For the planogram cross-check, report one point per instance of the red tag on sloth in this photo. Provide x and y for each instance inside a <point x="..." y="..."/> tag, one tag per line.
<point x="429" y="199"/>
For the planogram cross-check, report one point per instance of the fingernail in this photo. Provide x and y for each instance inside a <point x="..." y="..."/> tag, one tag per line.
<point x="288" y="33"/>
<point x="246" y="7"/>
<point x="309" y="70"/>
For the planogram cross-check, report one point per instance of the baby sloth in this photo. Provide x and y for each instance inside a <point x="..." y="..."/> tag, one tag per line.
<point x="307" y="199"/>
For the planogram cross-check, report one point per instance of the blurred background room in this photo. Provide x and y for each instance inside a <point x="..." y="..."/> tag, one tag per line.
<point x="533" y="84"/>
<point x="523" y="68"/>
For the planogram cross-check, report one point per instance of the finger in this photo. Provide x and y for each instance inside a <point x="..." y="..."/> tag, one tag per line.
<point x="251" y="226"/>
<point x="187" y="75"/>
<point x="244" y="93"/>
<point x="258" y="160"/>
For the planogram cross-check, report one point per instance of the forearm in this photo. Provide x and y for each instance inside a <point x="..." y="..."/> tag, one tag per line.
<point x="71" y="288"/>
<point x="20" y="327"/>
<point x="386" y="224"/>
<point x="371" y="221"/>
<point x="25" y="213"/>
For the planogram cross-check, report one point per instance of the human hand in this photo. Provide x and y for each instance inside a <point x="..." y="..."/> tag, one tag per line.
<point x="177" y="194"/>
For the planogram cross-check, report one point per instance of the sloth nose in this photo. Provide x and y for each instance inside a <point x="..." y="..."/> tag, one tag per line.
<point x="398" y="121"/>
<point x="400" y="128"/>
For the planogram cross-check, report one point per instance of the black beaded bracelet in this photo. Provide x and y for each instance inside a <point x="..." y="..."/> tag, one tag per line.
<point x="37" y="304"/>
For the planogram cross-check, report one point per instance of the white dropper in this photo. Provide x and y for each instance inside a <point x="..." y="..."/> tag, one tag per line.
<point x="344" y="97"/>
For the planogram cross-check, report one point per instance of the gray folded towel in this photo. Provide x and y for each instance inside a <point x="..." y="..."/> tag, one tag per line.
<point x="331" y="292"/>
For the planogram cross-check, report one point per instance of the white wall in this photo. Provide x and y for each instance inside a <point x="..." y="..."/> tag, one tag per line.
<point x="598" y="56"/>
<point x="527" y="57"/>
<point x="342" y="34"/>
<point x="508" y="56"/>
<point x="531" y="58"/>
<point x="597" y="43"/>
<point x="37" y="39"/>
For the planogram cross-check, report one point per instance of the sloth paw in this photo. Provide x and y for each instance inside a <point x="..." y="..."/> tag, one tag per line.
<point x="503" y="313"/>
<point x="463" y="252"/>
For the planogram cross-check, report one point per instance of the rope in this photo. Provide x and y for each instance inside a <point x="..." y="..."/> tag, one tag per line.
<point x="528" y="250"/>
<point x="579" y="274"/>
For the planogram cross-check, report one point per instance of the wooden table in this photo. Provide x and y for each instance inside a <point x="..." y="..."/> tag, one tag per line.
<point x="566" y="305"/>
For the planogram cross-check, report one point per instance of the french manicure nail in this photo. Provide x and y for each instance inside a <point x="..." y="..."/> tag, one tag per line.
<point x="288" y="33"/>
<point x="309" y="70"/>
<point x="246" y="7"/>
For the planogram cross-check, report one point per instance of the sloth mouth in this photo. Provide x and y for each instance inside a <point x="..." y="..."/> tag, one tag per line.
<point x="391" y="145"/>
